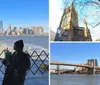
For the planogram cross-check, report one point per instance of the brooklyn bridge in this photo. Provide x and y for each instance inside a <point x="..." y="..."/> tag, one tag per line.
<point x="91" y="66"/>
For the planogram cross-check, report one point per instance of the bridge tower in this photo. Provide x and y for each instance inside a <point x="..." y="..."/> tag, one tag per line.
<point x="58" y="71"/>
<point x="92" y="62"/>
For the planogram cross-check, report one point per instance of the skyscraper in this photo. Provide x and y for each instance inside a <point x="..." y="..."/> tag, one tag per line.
<point x="40" y="30"/>
<point x="1" y="27"/>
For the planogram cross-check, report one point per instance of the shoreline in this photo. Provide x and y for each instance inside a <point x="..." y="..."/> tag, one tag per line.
<point x="70" y="73"/>
<point x="23" y="35"/>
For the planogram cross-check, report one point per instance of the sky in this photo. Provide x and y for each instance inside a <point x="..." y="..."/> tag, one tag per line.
<point x="24" y="12"/>
<point x="56" y="10"/>
<point x="55" y="13"/>
<point x="75" y="53"/>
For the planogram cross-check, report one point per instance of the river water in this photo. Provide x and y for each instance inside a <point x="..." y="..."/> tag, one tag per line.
<point x="75" y="79"/>
<point x="31" y="43"/>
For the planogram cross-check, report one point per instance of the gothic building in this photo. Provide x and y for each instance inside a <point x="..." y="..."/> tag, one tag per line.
<point x="69" y="30"/>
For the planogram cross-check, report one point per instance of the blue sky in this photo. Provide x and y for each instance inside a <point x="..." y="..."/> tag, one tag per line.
<point x="75" y="52"/>
<point x="24" y="12"/>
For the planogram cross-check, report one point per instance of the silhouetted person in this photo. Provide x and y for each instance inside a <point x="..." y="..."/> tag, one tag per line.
<point x="17" y="65"/>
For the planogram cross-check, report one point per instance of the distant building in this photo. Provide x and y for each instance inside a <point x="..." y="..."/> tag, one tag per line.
<point x="33" y="30"/>
<point x="52" y="35"/>
<point x="8" y="32"/>
<point x="45" y="34"/>
<point x="80" y="69"/>
<point x="14" y="28"/>
<point x="52" y="71"/>
<point x="97" y="39"/>
<point x="18" y="32"/>
<point x="41" y="30"/>
<point x="25" y="30"/>
<point x="1" y="27"/>
<point x="20" y="28"/>
<point x="69" y="30"/>
<point x="30" y="32"/>
<point x="10" y="28"/>
<point x="37" y="30"/>
<point x="13" y="34"/>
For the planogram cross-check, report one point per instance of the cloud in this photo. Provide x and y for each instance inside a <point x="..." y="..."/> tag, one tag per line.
<point x="95" y="32"/>
<point x="55" y="14"/>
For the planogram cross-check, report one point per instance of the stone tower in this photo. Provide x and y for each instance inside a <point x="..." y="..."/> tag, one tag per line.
<point x="86" y="32"/>
<point x="69" y="30"/>
<point x="69" y="21"/>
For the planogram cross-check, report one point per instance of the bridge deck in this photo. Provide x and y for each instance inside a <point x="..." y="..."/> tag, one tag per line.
<point x="69" y="64"/>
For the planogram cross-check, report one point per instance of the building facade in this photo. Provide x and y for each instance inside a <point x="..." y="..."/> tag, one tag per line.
<point x="37" y="30"/>
<point x="69" y="30"/>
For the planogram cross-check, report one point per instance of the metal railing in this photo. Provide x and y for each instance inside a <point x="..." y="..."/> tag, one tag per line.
<point x="35" y="57"/>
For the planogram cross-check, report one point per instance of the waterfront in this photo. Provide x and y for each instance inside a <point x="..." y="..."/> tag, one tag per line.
<point x="75" y="79"/>
<point x="32" y="43"/>
<point x="37" y="79"/>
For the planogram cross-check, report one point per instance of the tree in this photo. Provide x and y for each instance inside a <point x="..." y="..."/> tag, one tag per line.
<point x="89" y="9"/>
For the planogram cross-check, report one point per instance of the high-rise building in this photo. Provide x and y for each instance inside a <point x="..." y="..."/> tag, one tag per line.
<point x="1" y="27"/>
<point x="24" y="31"/>
<point x="40" y="30"/>
<point x="30" y="32"/>
<point x="9" y="30"/>
<point x="27" y="29"/>
<point x="14" y="28"/>
<point x="35" y="30"/>
<point x="69" y="30"/>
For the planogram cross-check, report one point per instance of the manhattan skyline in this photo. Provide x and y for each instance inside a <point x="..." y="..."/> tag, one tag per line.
<point x="21" y="12"/>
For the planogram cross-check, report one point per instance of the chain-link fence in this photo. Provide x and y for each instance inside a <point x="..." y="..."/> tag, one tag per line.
<point x="39" y="63"/>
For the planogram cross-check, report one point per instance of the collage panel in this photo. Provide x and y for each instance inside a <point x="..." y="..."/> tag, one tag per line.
<point x="40" y="42"/>
<point x="74" y="20"/>
<point x="74" y="64"/>
<point x="74" y="42"/>
<point x="24" y="42"/>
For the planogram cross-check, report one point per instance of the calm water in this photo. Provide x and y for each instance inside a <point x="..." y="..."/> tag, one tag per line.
<point x="32" y="43"/>
<point x="75" y="79"/>
<point x="37" y="40"/>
